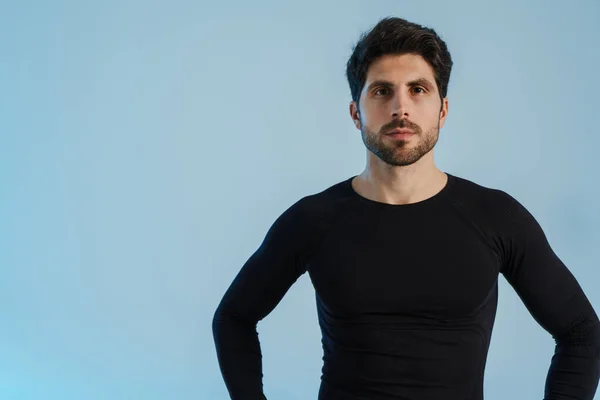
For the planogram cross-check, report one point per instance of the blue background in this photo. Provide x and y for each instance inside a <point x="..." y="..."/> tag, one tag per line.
<point x="147" y="146"/>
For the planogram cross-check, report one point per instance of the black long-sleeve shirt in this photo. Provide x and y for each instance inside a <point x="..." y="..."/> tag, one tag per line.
<point x="407" y="294"/>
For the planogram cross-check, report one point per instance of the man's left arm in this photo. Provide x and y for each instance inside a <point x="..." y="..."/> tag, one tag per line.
<point x="556" y="301"/>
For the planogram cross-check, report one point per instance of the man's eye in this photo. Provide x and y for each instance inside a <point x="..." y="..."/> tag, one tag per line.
<point x="378" y="91"/>
<point x="419" y="88"/>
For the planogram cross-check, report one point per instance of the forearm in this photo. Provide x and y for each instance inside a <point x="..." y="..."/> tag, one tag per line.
<point x="575" y="368"/>
<point x="239" y="355"/>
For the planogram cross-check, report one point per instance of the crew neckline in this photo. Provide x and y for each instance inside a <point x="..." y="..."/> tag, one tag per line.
<point x="421" y="203"/>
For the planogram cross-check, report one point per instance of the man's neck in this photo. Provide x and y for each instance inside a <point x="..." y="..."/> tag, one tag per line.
<point x="399" y="185"/>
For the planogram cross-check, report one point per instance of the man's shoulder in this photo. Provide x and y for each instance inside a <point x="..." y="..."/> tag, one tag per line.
<point x="494" y="205"/>
<point x="319" y="207"/>
<point x="324" y="200"/>
<point x="467" y="190"/>
<point x="307" y="220"/>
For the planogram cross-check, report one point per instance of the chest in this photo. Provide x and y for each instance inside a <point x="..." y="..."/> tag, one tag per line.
<point x="437" y="266"/>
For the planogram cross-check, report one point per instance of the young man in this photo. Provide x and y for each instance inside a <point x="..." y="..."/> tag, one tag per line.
<point x="405" y="258"/>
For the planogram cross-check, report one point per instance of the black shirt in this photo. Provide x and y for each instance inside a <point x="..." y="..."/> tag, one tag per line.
<point x="407" y="294"/>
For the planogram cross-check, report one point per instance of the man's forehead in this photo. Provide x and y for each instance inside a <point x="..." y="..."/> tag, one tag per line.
<point x="400" y="69"/>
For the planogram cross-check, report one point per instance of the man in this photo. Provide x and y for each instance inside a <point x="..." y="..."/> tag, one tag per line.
<point x="405" y="258"/>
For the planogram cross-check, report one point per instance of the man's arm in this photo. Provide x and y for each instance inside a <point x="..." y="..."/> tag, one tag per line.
<point x="256" y="290"/>
<point x="556" y="301"/>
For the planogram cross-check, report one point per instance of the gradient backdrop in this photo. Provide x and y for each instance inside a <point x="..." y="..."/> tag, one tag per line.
<point x="147" y="146"/>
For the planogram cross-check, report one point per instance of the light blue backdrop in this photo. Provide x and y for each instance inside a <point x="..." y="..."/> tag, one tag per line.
<point x="147" y="146"/>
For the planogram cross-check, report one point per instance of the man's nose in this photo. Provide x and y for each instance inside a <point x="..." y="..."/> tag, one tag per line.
<point x="400" y="105"/>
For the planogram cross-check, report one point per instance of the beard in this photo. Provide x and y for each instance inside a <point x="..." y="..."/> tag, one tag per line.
<point x="400" y="153"/>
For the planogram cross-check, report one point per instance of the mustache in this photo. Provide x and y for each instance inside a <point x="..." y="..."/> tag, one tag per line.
<point x="401" y="123"/>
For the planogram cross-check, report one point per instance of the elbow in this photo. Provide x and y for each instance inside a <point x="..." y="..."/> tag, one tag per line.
<point x="221" y="322"/>
<point x="219" y="318"/>
<point x="583" y="338"/>
<point x="227" y="318"/>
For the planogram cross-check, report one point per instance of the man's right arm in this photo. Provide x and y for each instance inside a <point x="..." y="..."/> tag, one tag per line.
<point x="256" y="290"/>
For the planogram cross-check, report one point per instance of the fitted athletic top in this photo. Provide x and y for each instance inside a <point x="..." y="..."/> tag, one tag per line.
<point x="406" y="295"/>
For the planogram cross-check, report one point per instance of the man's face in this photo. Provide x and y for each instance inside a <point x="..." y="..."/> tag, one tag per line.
<point x="400" y="92"/>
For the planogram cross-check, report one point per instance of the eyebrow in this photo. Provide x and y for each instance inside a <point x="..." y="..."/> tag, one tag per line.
<point x="416" y="82"/>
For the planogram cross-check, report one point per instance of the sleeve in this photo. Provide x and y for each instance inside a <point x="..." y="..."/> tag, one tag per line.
<point x="256" y="290"/>
<point x="556" y="301"/>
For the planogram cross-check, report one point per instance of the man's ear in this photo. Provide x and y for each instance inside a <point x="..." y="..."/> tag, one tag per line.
<point x="443" y="111"/>
<point x="355" y="114"/>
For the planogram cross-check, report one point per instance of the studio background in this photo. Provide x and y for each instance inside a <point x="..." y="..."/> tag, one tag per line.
<point x="147" y="146"/>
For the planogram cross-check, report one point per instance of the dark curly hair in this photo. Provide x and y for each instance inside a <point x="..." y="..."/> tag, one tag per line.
<point x="394" y="35"/>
